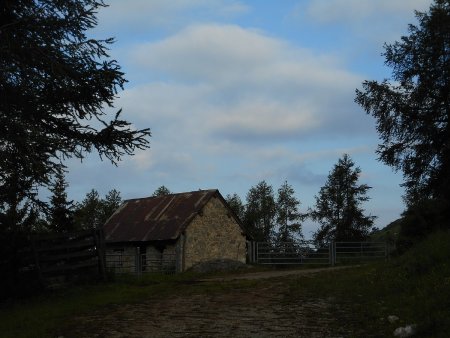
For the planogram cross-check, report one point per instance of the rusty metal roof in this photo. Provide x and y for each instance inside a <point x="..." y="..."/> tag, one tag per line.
<point x="156" y="218"/>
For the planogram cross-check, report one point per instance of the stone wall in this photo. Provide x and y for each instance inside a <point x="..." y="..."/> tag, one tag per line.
<point x="213" y="235"/>
<point x="121" y="259"/>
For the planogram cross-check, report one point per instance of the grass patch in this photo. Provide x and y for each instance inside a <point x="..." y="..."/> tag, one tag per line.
<point x="38" y="316"/>
<point x="415" y="287"/>
<point x="42" y="315"/>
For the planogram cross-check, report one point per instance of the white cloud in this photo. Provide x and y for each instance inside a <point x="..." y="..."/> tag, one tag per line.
<point x="208" y="52"/>
<point x="231" y="53"/>
<point x="234" y="105"/>
<point x="143" y="159"/>
<point x="266" y="118"/>
<point x="241" y="84"/>
<point x="229" y="105"/>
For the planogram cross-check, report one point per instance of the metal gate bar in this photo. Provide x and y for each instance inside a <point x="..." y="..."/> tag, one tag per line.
<point x="306" y="252"/>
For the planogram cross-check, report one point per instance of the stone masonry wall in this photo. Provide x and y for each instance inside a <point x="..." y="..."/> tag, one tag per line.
<point x="213" y="235"/>
<point x="121" y="260"/>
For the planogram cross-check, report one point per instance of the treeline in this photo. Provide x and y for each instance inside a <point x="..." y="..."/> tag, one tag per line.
<point x="268" y="215"/>
<point x="64" y="215"/>
<point x="276" y="218"/>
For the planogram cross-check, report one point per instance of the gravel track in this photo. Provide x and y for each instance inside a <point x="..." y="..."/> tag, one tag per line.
<point x="262" y="310"/>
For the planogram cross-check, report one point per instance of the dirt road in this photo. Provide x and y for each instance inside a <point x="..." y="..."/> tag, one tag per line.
<point x="275" y="274"/>
<point x="259" y="310"/>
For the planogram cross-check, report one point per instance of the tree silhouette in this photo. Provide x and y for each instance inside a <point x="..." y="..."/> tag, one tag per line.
<point x="235" y="203"/>
<point x="288" y="216"/>
<point x="260" y="212"/>
<point x="338" y="205"/>
<point x="57" y="90"/>
<point x="161" y="191"/>
<point x="413" y="112"/>
<point x="60" y="209"/>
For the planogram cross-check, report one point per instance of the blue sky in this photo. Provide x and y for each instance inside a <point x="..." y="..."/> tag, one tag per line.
<point x="236" y="92"/>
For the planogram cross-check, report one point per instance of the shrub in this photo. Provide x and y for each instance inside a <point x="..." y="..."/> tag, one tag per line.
<point x="422" y="219"/>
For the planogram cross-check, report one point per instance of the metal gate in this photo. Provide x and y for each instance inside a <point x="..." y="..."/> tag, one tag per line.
<point x="355" y="252"/>
<point x="306" y="252"/>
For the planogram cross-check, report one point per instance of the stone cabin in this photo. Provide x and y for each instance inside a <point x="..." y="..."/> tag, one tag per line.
<point x="175" y="231"/>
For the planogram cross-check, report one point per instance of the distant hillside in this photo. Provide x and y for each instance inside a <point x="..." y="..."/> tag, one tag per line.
<point x="388" y="234"/>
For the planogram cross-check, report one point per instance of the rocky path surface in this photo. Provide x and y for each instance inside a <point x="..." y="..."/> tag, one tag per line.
<point x="276" y="273"/>
<point x="262" y="310"/>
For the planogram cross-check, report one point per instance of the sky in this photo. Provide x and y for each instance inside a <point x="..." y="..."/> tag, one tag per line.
<point x="236" y="92"/>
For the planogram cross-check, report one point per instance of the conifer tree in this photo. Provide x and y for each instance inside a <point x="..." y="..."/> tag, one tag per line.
<point x="288" y="216"/>
<point x="110" y="204"/>
<point x="88" y="213"/>
<point x="93" y="211"/>
<point x="235" y="203"/>
<point x="412" y="110"/>
<point x="60" y="209"/>
<point x="338" y="205"/>
<point x="161" y="191"/>
<point x="57" y="91"/>
<point x="259" y="216"/>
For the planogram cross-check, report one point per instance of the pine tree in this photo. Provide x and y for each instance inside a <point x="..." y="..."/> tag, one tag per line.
<point x="235" y="203"/>
<point x="93" y="211"/>
<point x="161" y="191"/>
<point x="413" y="111"/>
<point x="60" y="209"/>
<point x="89" y="213"/>
<point x="288" y="216"/>
<point x="55" y="86"/>
<point x="110" y="204"/>
<point x="338" y="205"/>
<point x="260" y="212"/>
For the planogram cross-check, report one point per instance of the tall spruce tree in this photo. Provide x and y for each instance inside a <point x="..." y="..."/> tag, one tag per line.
<point x="259" y="218"/>
<point x="88" y="213"/>
<point x="110" y="204"/>
<point x="288" y="216"/>
<point x="61" y="209"/>
<point x="413" y="111"/>
<point x="235" y="203"/>
<point x="57" y="88"/>
<point x="161" y="191"/>
<point x="93" y="211"/>
<point x="338" y="205"/>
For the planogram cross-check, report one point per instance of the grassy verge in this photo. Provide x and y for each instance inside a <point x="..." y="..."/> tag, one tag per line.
<point x="414" y="287"/>
<point x="44" y="314"/>
<point x="38" y="316"/>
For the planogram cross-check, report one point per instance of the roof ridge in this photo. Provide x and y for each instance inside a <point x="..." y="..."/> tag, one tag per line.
<point x="172" y="194"/>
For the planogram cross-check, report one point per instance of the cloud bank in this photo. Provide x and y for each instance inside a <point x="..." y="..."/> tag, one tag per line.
<point x="231" y="102"/>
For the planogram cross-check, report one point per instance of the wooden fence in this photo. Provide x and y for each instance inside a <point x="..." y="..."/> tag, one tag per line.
<point x="69" y="255"/>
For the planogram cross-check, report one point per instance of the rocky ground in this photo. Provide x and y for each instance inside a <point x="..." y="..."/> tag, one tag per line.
<point x="260" y="310"/>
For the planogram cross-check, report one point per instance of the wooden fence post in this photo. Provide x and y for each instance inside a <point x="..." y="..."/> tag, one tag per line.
<point x="138" y="261"/>
<point x="332" y="253"/>
<point x="36" y="260"/>
<point x="99" y="238"/>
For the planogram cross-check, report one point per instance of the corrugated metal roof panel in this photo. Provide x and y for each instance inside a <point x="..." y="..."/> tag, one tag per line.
<point x="155" y="218"/>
